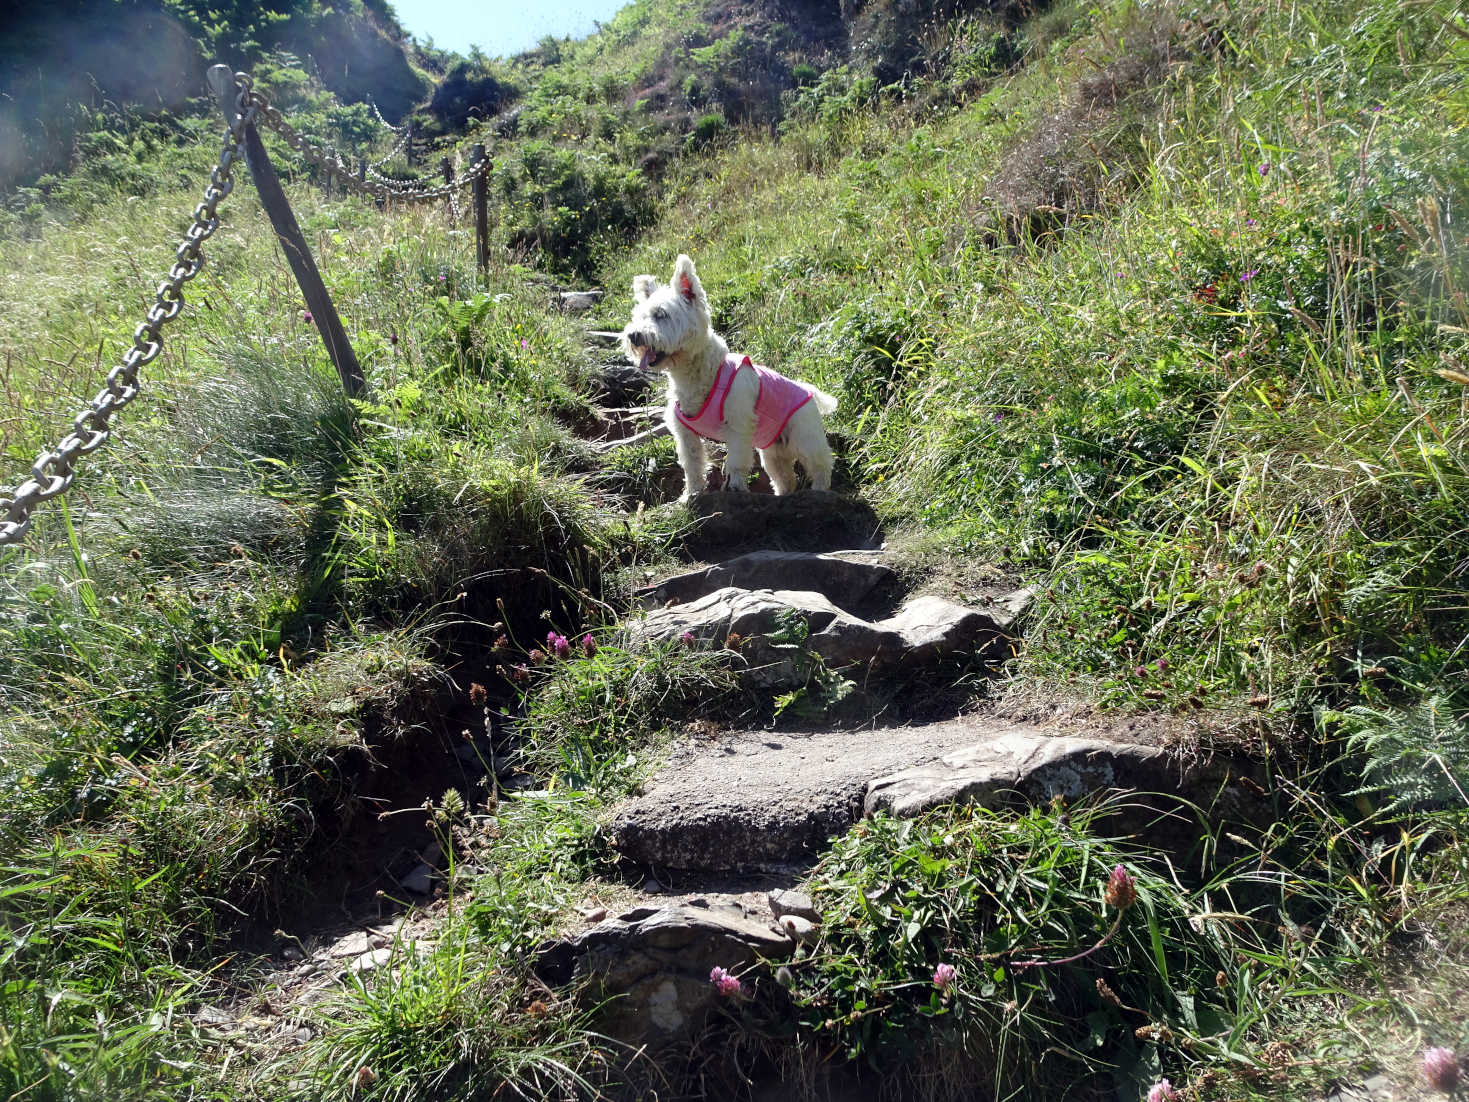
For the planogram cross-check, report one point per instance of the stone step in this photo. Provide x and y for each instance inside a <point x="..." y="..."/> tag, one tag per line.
<point x="758" y="798"/>
<point x="848" y="579"/>
<point x="653" y="966"/>
<point x="925" y="629"/>
<point x="730" y="524"/>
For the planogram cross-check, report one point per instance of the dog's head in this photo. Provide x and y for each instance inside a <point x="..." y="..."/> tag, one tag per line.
<point x="666" y="320"/>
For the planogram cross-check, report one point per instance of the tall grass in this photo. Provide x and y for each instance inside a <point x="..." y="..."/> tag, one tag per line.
<point x="1143" y="403"/>
<point x="1183" y="341"/>
<point x="240" y="598"/>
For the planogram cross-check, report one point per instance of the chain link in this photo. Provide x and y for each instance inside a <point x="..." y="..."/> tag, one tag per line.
<point x="386" y="124"/>
<point x="390" y="154"/>
<point x="455" y="213"/>
<point x="54" y="469"/>
<point x="376" y="185"/>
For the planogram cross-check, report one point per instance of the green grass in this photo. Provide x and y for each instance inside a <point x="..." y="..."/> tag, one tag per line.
<point x="1184" y="346"/>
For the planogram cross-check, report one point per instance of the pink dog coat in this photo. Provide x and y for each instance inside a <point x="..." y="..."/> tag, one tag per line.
<point x="775" y="403"/>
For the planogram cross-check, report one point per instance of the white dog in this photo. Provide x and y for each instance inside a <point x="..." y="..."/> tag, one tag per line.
<point x="713" y="395"/>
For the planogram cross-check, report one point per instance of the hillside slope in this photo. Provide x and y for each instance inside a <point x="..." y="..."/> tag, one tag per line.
<point x="71" y="70"/>
<point x="1159" y="311"/>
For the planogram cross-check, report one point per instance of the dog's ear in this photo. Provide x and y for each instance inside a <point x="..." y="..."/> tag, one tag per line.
<point x="686" y="280"/>
<point x="643" y="287"/>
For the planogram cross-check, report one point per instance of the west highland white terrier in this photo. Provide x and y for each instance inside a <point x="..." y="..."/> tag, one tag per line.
<point x="713" y="395"/>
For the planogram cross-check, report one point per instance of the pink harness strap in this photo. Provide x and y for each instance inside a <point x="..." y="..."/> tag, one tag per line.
<point x="775" y="403"/>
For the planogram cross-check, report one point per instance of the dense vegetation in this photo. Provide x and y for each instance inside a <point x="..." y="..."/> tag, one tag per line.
<point x="1162" y="308"/>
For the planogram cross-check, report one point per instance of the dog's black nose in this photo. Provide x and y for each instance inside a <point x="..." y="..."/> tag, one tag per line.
<point x="635" y="339"/>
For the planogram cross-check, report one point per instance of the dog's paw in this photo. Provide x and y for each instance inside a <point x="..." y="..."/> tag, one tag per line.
<point x="737" y="484"/>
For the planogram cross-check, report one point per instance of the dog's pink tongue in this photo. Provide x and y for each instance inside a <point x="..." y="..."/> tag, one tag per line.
<point x="646" y="362"/>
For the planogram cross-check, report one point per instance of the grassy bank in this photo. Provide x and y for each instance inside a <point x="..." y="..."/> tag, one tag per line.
<point x="1163" y="311"/>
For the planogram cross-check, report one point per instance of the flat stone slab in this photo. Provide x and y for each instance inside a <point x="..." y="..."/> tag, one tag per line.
<point x="758" y="799"/>
<point x="761" y="800"/>
<point x="1024" y="763"/>
<point x="846" y="578"/>
<point x="924" y="629"/>
<point x="652" y="965"/>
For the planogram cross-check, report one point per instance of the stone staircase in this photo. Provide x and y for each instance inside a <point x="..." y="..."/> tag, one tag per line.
<point x="730" y="823"/>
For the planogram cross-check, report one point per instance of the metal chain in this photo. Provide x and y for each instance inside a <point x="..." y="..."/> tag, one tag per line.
<point x="376" y="185"/>
<point x="54" y="469"/>
<point x="373" y="104"/>
<point x="455" y="214"/>
<point x="390" y="154"/>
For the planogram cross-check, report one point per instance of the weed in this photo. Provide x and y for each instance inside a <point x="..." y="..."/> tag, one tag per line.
<point x="592" y="720"/>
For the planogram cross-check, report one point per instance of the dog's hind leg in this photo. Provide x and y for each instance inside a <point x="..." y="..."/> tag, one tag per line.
<point x="780" y="465"/>
<point x="807" y="440"/>
<point x="818" y="467"/>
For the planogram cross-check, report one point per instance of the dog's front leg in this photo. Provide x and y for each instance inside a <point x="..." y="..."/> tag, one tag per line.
<point x="739" y="430"/>
<point x="691" y="457"/>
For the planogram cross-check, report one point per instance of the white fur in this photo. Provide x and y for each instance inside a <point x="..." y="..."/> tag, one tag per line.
<point x="670" y="331"/>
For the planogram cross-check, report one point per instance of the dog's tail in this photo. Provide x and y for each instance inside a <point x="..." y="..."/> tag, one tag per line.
<point x="824" y="401"/>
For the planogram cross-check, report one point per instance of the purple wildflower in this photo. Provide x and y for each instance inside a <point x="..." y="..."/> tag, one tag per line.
<point x="558" y="644"/>
<point x="537" y="656"/>
<point x="306" y="316"/>
<point x="588" y="645"/>
<point x="943" y="976"/>
<point x="1161" y="664"/>
<point x="1251" y="222"/>
<point x="1140" y="671"/>
<point x="524" y="344"/>
<point x="1441" y="1069"/>
<point x="1264" y="169"/>
<point x="729" y="986"/>
<point x="687" y="639"/>
<point x="1162" y="1091"/>
<point x="1247" y="276"/>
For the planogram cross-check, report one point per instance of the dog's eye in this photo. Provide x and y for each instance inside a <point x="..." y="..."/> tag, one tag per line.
<point x="660" y="313"/>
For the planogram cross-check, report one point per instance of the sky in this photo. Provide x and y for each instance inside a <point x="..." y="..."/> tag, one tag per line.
<point x="500" y="27"/>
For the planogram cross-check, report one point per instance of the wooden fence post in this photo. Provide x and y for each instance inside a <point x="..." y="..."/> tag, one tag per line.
<point x="481" y="209"/>
<point x="446" y="166"/>
<point x="288" y="233"/>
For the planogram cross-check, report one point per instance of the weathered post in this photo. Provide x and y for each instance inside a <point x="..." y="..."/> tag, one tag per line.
<point x="446" y="166"/>
<point x="288" y="233"/>
<point x="481" y="208"/>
